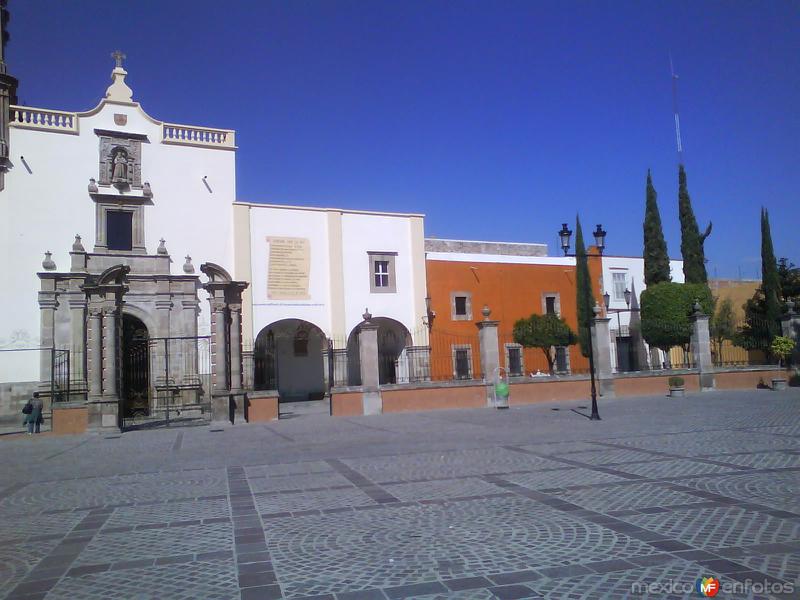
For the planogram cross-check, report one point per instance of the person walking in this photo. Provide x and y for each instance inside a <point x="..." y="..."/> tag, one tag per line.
<point x="33" y="414"/>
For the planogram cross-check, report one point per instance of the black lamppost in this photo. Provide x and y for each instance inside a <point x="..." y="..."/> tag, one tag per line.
<point x="600" y="242"/>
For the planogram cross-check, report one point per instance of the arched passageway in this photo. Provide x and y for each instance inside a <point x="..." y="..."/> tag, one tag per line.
<point x="393" y="339"/>
<point x="291" y="356"/>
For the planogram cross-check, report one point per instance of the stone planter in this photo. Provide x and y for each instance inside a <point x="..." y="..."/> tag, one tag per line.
<point x="778" y="384"/>
<point x="677" y="392"/>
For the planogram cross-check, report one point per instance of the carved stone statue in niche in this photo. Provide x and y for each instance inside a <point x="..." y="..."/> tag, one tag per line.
<point x="119" y="172"/>
<point x="120" y="162"/>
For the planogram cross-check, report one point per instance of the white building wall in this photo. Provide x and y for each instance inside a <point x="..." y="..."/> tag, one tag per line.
<point x="268" y="221"/>
<point x="361" y="232"/>
<point x="46" y="202"/>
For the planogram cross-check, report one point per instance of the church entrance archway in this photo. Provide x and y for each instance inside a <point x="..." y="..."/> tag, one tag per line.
<point x="393" y="339"/>
<point x="291" y="356"/>
<point x="135" y="388"/>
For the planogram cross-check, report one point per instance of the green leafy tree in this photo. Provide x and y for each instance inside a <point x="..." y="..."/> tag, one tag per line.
<point x="694" y="259"/>
<point x="782" y="348"/>
<point x="656" y="259"/>
<point x="723" y="326"/>
<point x="585" y="297"/>
<point x="666" y="312"/>
<point x="789" y="276"/>
<point x="544" y="332"/>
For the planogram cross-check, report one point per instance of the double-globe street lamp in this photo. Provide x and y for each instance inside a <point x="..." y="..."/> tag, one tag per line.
<point x="600" y="243"/>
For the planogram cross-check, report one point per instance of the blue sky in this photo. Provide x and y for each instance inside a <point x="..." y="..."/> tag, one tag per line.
<point x="498" y="120"/>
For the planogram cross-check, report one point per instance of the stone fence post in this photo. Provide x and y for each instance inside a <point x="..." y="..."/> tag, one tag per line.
<point x="701" y="348"/>
<point x="601" y="350"/>
<point x="370" y="373"/>
<point x="489" y="349"/>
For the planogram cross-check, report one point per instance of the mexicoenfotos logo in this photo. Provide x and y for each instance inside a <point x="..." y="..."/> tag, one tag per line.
<point x="707" y="586"/>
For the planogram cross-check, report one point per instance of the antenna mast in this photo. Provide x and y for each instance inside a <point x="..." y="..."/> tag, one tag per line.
<point x="675" y="110"/>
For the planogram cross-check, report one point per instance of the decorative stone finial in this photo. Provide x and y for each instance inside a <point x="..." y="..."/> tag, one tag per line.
<point x="146" y="191"/>
<point x="162" y="249"/>
<point x="119" y="91"/>
<point x="188" y="267"/>
<point x="77" y="246"/>
<point x="47" y="263"/>
<point x="790" y="306"/>
<point x="92" y="186"/>
<point x="486" y="311"/>
<point x="698" y="310"/>
<point x="596" y="310"/>
<point x="367" y="316"/>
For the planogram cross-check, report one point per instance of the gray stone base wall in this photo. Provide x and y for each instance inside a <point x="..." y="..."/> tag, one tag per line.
<point x="13" y="397"/>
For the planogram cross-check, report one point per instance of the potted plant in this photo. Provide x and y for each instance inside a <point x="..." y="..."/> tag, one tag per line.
<point x="781" y="347"/>
<point x="676" y="388"/>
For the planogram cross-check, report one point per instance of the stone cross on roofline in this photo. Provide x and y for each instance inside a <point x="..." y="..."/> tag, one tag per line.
<point x="118" y="56"/>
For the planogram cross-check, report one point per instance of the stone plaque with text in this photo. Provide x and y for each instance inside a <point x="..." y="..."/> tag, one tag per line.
<point x="289" y="266"/>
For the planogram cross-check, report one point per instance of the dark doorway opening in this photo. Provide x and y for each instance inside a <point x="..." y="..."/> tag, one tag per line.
<point x="135" y="393"/>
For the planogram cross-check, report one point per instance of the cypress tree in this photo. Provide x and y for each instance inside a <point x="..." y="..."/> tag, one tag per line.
<point x="770" y="281"/>
<point x="656" y="259"/>
<point x="694" y="267"/>
<point x="583" y="285"/>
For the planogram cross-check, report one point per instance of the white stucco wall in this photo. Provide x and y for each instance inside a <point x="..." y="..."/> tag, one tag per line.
<point x="360" y="233"/>
<point x="46" y="203"/>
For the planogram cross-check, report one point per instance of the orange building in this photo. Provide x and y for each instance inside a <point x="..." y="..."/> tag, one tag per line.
<point x="514" y="280"/>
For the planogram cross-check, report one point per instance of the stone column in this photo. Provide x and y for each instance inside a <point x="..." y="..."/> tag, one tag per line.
<point x="94" y="364"/>
<point x="489" y="346"/>
<point x="701" y="348"/>
<point x="220" y="404"/>
<point x="601" y="350"/>
<point x="370" y="374"/>
<point x="110" y="366"/>
<point x="236" y="346"/>
<point x="77" y="361"/>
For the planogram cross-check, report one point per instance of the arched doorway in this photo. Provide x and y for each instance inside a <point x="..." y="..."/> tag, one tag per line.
<point x="393" y="339"/>
<point x="135" y="347"/>
<point x="291" y="356"/>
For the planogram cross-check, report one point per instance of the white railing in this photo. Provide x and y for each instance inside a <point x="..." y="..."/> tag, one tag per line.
<point x="198" y="136"/>
<point x="44" y="119"/>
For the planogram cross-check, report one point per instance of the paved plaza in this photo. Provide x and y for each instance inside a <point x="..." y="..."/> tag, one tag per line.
<point x="532" y="502"/>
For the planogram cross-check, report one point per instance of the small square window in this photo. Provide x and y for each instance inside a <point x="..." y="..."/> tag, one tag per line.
<point x="382" y="272"/>
<point x="461" y="306"/>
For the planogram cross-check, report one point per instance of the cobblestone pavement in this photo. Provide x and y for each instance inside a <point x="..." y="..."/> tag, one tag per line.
<point x="474" y="504"/>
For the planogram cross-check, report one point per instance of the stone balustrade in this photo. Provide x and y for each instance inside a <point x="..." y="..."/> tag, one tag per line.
<point x="198" y="136"/>
<point x="44" y="119"/>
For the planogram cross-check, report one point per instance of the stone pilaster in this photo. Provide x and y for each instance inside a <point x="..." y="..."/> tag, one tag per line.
<point x="601" y="350"/>
<point x="110" y="362"/>
<point x="489" y="347"/>
<point x="48" y="303"/>
<point x="219" y="317"/>
<point x="701" y="349"/>
<point x="370" y="374"/>
<point x="77" y="309"/>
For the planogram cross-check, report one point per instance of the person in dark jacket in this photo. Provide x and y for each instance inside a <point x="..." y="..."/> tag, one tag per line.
<point x="34" y="418"/>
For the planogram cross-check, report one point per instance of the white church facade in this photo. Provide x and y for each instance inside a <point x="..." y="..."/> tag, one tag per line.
<point x="156" y="281"/>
